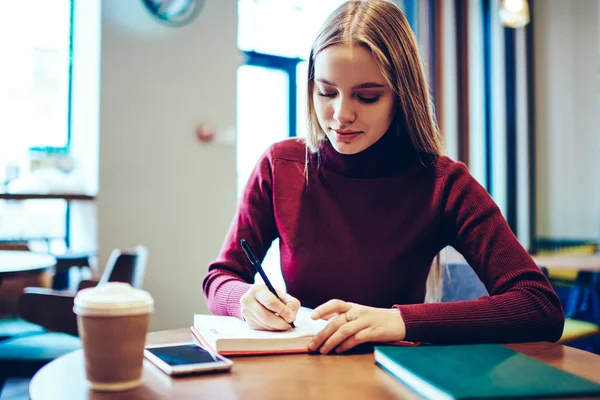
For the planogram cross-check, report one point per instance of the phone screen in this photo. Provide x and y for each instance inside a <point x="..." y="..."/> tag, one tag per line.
<point x="183" y="354"/>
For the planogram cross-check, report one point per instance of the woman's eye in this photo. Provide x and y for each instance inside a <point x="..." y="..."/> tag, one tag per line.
<point x="368" y="100"/>
<point x="329" y="95"/>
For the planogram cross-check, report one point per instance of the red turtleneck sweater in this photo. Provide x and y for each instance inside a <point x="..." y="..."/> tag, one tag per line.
<point x="366" y="227"/>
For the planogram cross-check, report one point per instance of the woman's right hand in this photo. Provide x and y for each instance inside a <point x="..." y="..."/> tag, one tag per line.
<point x="263" y="310"/>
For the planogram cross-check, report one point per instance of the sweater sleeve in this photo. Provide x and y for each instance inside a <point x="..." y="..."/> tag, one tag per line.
<point x="521" y="307"/>
<point x="230" y="276"/>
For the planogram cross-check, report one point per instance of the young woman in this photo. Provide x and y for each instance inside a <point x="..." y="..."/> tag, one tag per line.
<point x="365" y="203"/>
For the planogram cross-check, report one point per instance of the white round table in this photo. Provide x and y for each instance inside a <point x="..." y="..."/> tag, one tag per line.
<point x="17" y="263"/>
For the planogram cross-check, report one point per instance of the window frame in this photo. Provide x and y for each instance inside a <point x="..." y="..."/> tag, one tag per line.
<point x="288" y="65"/>
<point x="65" y="149"/>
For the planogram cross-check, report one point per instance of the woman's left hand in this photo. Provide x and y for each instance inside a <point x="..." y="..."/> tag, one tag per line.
<point x="351" y="324"/>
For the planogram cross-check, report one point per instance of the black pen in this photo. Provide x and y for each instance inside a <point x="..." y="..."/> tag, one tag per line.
<point x="256" y="264"/>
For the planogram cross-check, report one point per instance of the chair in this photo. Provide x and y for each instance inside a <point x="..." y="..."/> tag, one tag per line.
<point x="122" y="266"/>
<point x="64" y="263"/>
<point x="22" y="357"/>
<point x="463" y="284"/>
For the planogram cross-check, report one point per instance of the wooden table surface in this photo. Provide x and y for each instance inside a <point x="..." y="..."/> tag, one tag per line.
<point x="299" y="376"/>
<point x="590" y="263"/>
<point x="14" y="263"/>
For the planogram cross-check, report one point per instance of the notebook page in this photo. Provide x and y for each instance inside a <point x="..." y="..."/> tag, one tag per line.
<point x="234" y="328"/>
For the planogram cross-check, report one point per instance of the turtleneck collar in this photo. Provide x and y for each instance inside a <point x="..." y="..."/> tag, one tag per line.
<point x="387" y="157"/>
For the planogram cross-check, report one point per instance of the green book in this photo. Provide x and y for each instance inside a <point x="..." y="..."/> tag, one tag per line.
<point x="479" y="371"/>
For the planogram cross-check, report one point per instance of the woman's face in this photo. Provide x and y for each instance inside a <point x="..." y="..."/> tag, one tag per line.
<point x="353" y="103"/>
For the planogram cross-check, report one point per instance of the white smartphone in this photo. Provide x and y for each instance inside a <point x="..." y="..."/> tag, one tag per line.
<point x="186" y="358"/>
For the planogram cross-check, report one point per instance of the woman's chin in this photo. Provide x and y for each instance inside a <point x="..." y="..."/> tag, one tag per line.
<point x="348" y="148"/>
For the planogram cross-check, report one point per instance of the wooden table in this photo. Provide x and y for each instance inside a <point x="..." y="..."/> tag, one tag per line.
<point x="578" y="262"/>
<point x="588" y="263"/>
<point x="300" y="376"/>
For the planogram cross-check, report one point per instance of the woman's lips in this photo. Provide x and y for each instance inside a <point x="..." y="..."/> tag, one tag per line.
<point x="346" y="135"/>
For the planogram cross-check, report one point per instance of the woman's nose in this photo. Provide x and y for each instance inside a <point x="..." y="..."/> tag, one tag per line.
<point x="343" y="112"/>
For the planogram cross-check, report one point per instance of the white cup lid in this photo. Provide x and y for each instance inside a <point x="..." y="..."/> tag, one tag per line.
<point x="113" y="299"/>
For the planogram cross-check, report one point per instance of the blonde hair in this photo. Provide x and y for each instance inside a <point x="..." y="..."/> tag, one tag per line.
<point x="382" y="28"/>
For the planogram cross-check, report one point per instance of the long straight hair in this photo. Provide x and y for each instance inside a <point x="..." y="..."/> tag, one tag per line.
<point x="382" y="28"/>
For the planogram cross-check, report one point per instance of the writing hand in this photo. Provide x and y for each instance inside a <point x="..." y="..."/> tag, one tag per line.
<point x="351" y="324"/>
<point x="262" y="309"/>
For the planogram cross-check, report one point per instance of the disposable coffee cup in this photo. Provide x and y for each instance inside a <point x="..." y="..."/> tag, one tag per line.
<point x="113" y="320"/>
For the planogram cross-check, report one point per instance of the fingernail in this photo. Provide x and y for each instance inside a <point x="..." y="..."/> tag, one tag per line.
<point x="338" y="350"/>
<point x="311" y="346"/>
<point x="323" y="350"/>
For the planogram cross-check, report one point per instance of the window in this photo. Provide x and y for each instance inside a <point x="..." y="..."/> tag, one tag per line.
<point x="34" y="79"/>
<point x="260" y="86"/>
<point x="35" y="84"/>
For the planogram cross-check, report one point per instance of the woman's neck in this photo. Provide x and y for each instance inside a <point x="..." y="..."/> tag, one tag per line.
<point x="387" y="157"/>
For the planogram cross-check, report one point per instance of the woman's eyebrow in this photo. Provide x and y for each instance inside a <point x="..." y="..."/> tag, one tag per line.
<point x="365" y="85"/>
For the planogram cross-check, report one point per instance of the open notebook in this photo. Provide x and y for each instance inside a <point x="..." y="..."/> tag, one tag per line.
<point x="232" y="336"/>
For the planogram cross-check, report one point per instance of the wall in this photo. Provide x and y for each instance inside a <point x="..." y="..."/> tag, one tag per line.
<point x="568" y="118"/>
<point x="158" y="186"/>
